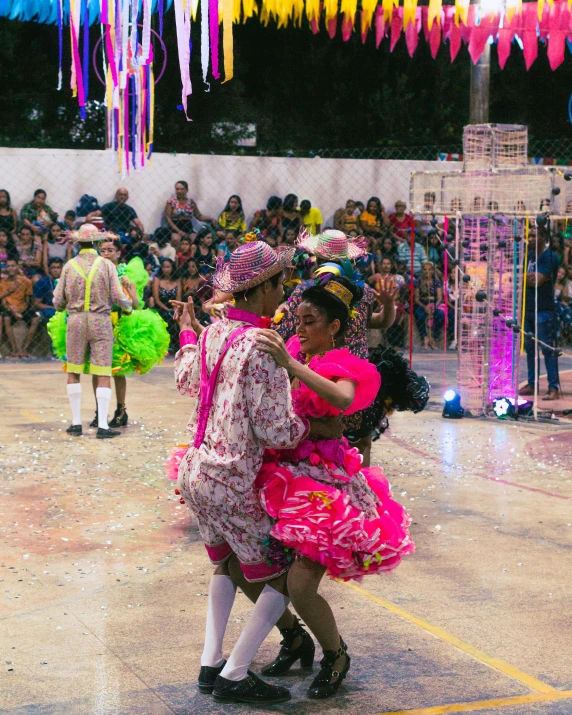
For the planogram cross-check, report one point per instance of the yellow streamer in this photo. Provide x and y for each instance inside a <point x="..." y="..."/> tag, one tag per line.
<point x="349" y="9"/>
<point x="313" y="9"/>
<point x="388" y="6"/>
<point x="227" y="39"/>
<point x="434" y="13"/>
<point x="524" y="287"/>
<point x="515" y="7"/>
<point x="461" y="11"/>
<point x="331" y="9"/>
<point x="368" y="8"/>
<point x="409" y="8"/>
<point x="541" y="6"/>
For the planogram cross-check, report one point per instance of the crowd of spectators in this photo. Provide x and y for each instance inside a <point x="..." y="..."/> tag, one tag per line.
<point x="180" y="255"/>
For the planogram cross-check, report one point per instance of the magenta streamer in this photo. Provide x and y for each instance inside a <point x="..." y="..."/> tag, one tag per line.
<point x="214" y="33"/>
<point x="78" y="70"/>
<point x="126" y="125"/>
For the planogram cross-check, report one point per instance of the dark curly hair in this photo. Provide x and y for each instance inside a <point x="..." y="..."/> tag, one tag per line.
<point x="401" y="389"/>
<point x="329" y="305"/>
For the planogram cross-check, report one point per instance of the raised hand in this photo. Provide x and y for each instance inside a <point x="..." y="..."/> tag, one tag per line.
<point x="184" y="314"/>
<point x="386" y="290"/>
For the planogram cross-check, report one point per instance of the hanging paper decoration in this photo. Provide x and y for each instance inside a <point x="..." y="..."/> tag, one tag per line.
<point x="124" y="52"/>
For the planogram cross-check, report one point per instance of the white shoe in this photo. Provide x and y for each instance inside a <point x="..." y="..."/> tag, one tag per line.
<point x="453" y="345"/>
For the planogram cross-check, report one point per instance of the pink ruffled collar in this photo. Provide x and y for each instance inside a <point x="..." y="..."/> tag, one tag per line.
<point x="243" y="316"/>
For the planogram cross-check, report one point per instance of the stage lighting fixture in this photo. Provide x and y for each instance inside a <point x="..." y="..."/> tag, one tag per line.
<point x="506" y="407"/>
<point x="503" y="408"/>
<point x="452" y="409"/>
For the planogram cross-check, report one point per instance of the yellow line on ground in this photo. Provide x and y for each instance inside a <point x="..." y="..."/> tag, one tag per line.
<point x="443" y="635"/>
<point x="487" y="704"/>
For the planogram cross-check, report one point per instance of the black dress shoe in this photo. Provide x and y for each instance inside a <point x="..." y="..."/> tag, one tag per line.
<point x="120" y="417"/>
<point x="95" y="421"/>
<point x="288" y="655"/>
<point x="75" y="430"/>
<point x="328" y="680"/>
<point x="207" y="677"/>
<point x="107" y="433"/>
<point x="248" y="690"/>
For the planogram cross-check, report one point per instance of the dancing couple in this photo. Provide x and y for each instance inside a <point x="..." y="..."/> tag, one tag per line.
<point x="268" y="475"/>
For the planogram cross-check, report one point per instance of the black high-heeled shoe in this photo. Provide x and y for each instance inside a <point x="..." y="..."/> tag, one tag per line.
<point x="322" y="687"/>
<point x="288" y="655"/>
<point x="120" y="417"/>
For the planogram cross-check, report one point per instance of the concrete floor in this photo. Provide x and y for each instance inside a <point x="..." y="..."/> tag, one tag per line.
<point x="104" y="580"/>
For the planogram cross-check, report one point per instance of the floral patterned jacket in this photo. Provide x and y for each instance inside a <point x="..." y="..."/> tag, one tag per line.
<point x="251" y="409"/>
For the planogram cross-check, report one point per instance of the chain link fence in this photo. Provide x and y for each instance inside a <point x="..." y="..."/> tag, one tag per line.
<point x="325" y="179"/>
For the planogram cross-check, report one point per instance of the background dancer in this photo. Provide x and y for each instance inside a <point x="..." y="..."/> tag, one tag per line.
<point x="88" y="288"/>
<point x="141" y="338"/>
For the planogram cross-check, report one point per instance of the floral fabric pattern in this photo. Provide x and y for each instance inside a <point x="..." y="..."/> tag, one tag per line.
<point x="251" y="410"/>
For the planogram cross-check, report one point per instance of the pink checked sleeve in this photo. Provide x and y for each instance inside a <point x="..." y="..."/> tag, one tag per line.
<point x="269" y="400"/>
<point x="187" y="370"/>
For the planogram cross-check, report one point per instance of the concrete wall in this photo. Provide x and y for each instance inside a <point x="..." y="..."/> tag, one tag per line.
<point x="67" y="174"/>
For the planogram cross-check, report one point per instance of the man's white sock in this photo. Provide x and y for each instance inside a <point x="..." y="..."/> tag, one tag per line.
<point x="267" y="610"/>
<point x="221" y="597"/>
<point x="103" y="397"/>
<point x="74" y="395"/>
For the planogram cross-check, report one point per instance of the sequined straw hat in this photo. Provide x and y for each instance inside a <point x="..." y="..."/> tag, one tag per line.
<point x="88" y="233"/>
<point x="250" y="265"/>
<point x="332" y="244"/>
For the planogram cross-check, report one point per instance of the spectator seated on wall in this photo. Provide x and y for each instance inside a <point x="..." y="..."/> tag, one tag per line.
<point x="8" y="215"/>
<point x="16" y="303"/>
<point x="400" y="220"/>
<point x="373" y="221"/>
<point x="182" y="214"/>
<point x="269" y="221"/>
<point x="37" y="215"/>
<point x="69" y="222"/>
<point x="119" y="217"/>
<point x="346" y="219"/>
<point x="231" y="218"/>
<point x="88" y="210"/>
<point x="311" y="217"/>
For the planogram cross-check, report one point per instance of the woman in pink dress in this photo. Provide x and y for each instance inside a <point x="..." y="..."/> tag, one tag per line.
<point x="331" y="515"/>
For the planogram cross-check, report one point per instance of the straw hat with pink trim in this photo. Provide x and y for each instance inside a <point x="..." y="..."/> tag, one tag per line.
<point x="332" y="244"/>
<point x="88" y="233"/>
<point x="250" y="265"/>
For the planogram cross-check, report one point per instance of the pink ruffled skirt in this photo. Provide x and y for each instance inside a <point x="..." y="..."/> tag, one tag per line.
<point x="333" y="512"/>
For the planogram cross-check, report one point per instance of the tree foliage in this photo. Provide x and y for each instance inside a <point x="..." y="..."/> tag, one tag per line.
<point x="303" y="91"/>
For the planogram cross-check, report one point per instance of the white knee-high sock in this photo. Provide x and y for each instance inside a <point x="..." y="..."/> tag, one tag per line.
<point x="267" y="610"/>
<point x="103" y="397"/>
<point x="221" y="597"/>
<point x="74" y="395"/>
